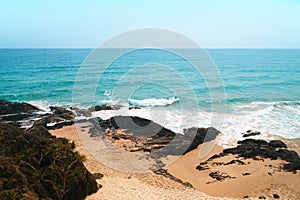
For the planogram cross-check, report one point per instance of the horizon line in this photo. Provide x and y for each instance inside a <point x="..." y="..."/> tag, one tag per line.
<point x="150" y="47"/>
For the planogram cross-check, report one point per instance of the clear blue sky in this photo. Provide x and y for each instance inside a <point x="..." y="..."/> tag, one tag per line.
<point x="211" y="23"/>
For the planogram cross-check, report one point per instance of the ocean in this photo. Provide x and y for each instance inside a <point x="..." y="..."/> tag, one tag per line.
<point x="261" y="87"/>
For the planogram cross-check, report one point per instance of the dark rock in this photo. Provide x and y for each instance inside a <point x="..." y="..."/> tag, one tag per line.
<point x="134" y="107"/>
<point x="246" y="174"/>
<point x="261" y="197"/>
<point x="15" y="117"/>
<point x="97" y="175"/>
<point x="199" y="135"/>
<point x="60" y="125"/>
<point x="35" y="165"/>
<point x="7" y="107"/>
<point x="104" y="107"/>
<point x="277" y="144"/>
<point x="239" y="162"/>
<point x="59" y="114"/>
<point x="166" y="174"/>
<point x="220" y="176"/>
<point x="152" y="137"/>
<point x="260" y="149"/>
<point x="200" y="167"/>
<point x="251" y="133"/>
<point x="15" y="111"/>
<point x="276" y="196"/>
<point x="60" y="117"/>
<point x="214" y="157"/>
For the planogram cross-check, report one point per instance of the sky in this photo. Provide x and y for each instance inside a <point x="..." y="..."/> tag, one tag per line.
<point x="211" y="23"/>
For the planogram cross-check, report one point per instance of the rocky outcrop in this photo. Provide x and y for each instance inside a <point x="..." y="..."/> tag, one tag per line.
<point x="138" y="134"/>
<point x="15" y="111"/>
<point x="36" y="165"/>
<point x="60" y="117"/>
<point x="7" y="107"/>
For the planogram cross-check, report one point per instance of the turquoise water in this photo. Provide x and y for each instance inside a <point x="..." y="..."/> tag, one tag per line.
<point x="249" y="75"/>
<point x="262" y="86"/>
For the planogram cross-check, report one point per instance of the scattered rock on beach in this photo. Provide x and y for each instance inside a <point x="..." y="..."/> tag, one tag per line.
<point x="220" y="176"/>
<point x="260" y="149"/>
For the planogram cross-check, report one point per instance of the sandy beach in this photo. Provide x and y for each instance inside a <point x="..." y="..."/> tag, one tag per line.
<point x="119" y="185"/>
<point x="256" y="179"/>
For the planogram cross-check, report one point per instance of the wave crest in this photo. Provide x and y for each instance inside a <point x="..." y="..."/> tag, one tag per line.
<point x="153" y="102"/>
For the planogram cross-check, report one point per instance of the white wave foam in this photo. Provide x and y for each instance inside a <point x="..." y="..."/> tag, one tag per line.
<point x="153" y="102"/>
<point x="270" y="118"/>
<point x="265" y="117"/>
<point x="42" y="105"/>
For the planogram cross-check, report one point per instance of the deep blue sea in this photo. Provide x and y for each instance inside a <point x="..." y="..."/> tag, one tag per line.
<point x="261" y="86"/>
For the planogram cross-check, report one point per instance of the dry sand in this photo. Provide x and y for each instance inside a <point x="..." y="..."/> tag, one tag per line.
<point x="121" y="185"/>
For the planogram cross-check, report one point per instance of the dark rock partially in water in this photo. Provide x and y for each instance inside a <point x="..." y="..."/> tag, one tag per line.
<point x="134" y="107"/>
<point x="36" y="165"/>
<point x="15" y="111"/>
<point x="105" y="107"/>
<point x="60" y="117"/>
<point x="251" y="133"/>
<point x="7" y="107"/>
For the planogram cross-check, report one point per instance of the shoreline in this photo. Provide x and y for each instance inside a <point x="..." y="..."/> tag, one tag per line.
<point x="231" y="130"/>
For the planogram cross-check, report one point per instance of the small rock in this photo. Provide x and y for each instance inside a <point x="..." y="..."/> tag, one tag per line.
<point x="246" y="174"/>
